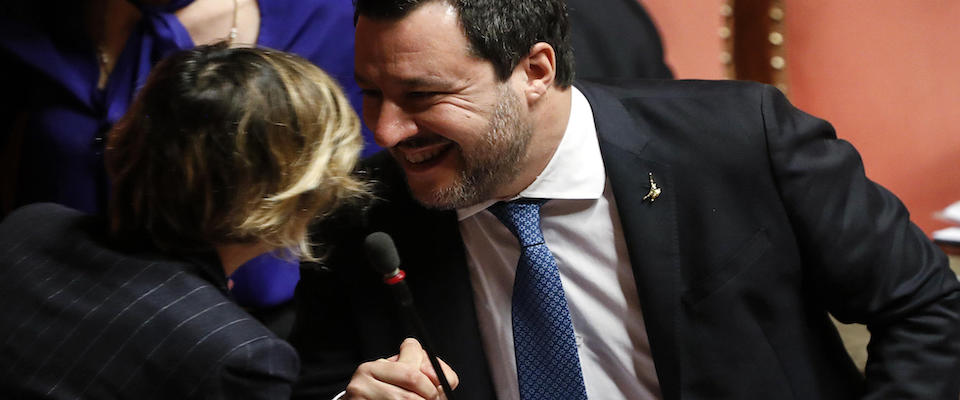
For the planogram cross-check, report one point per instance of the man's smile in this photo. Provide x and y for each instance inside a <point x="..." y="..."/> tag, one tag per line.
<point x="420" y="150"/>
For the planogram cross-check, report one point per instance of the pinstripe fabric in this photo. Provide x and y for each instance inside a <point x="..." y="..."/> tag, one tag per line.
<point x="79" y="320"/>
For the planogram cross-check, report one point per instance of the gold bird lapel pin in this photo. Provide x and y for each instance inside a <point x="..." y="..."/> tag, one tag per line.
<point x="654" y="190"/>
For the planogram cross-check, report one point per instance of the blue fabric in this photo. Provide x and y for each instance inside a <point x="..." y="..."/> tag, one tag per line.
<point x="265" y="281"/>
<point x="548" y="366"/>
<point x="66" y="118"/>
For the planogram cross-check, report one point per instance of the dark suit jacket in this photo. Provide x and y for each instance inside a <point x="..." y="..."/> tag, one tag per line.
<point x="81" y="319"/>
<point x="615" y="39"/>
<point x="766" y="224"/>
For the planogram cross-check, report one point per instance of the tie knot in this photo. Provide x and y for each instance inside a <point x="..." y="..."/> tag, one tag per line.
<point x="522" y="218"/>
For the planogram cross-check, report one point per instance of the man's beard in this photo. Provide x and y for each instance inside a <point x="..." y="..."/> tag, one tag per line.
<point x="494" y="162"/>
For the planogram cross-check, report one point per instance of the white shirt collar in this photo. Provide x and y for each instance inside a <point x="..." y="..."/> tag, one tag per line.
<point x="576" y="169"/>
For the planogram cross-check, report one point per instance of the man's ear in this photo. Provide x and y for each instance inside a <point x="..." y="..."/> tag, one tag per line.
<point x="539" y="69"/>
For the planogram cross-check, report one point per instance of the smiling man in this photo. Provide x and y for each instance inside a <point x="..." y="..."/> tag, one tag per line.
<point x="641" y="240"/>
<point x="460" y="131"/>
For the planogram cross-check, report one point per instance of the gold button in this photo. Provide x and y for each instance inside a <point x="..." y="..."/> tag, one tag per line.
<point x="724" y="32"/>
<point x="777" y="62"/>
<point x="725" y="57"/>
<point x="775" y="38"/>
<point x="726" y="10"/>
<point x="776" y="13"/>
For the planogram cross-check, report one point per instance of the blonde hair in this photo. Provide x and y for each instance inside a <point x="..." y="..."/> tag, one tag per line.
<point x="233" y="145"/>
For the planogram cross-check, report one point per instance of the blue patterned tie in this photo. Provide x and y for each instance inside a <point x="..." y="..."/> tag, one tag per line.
<point x="548" y="367"/>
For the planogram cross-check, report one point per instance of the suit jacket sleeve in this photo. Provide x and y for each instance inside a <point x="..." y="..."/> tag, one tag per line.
<point x="865" y="260"/>
<point x="263" y="369"/>
<point x="328" y="334"/>
<point x="324" y="336"/>
<point x="345" y="314"/>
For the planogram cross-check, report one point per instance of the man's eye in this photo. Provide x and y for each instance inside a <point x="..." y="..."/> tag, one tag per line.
<point x="421" y="95"/>
<point x="369" y="92"/>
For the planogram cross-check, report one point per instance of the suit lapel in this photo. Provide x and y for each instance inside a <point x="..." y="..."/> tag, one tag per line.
<point x="650" y="228"/>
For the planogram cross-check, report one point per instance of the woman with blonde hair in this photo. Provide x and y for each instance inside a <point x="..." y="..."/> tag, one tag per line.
<point x="225" y="154"/>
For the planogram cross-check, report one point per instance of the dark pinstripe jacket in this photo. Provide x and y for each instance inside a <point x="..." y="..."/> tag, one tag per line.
<point x="81" y="319"/>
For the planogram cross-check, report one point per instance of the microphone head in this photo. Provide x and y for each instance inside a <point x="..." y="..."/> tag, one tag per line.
<point x="381" y="253"/>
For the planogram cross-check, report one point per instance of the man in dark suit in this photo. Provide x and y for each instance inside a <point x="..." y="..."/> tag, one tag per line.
<point x="698" y="234"/>
<point x="226" y="154"/>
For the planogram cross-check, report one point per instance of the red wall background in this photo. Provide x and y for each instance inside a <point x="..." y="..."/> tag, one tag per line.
<point x="886" y="73"/>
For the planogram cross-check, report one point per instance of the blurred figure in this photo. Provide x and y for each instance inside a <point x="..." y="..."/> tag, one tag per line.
<point x="226" y="153"/>
<point x="77" y="66"/>
<point x="615" y="39"/>
<point x="73" y="69"/>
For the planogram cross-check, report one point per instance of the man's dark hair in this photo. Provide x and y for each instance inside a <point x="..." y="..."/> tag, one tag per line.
<point x="500" y="31"/>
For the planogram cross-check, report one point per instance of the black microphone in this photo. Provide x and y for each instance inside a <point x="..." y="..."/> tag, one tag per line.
<point x="382" y="256"/>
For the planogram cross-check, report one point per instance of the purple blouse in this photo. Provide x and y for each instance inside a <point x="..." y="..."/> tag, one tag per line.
<point x="57" y="117"/>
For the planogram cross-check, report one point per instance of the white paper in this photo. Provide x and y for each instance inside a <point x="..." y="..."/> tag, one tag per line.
<point x="951" y="213"/>
<point x="951" y="234"/>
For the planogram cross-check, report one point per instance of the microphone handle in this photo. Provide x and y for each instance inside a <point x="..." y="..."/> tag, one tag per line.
<point x="412" y="318"/>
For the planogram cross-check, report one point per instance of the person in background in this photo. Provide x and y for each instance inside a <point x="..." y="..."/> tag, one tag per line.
<point x="225" y="154"/>
<point x="72" y="69"/>
<point x="615" y="39"/>
<point x="648" y="239"/>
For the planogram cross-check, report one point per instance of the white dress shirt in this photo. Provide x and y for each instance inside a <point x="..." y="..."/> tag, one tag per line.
<point x="582" y="229"/>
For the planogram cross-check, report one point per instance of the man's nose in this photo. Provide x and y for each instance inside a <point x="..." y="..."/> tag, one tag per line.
<point x="392" y="125"/>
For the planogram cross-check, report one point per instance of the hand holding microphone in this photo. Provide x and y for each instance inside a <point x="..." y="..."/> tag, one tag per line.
<point x="409" y="372"/>
<point x="414" y="370"/>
